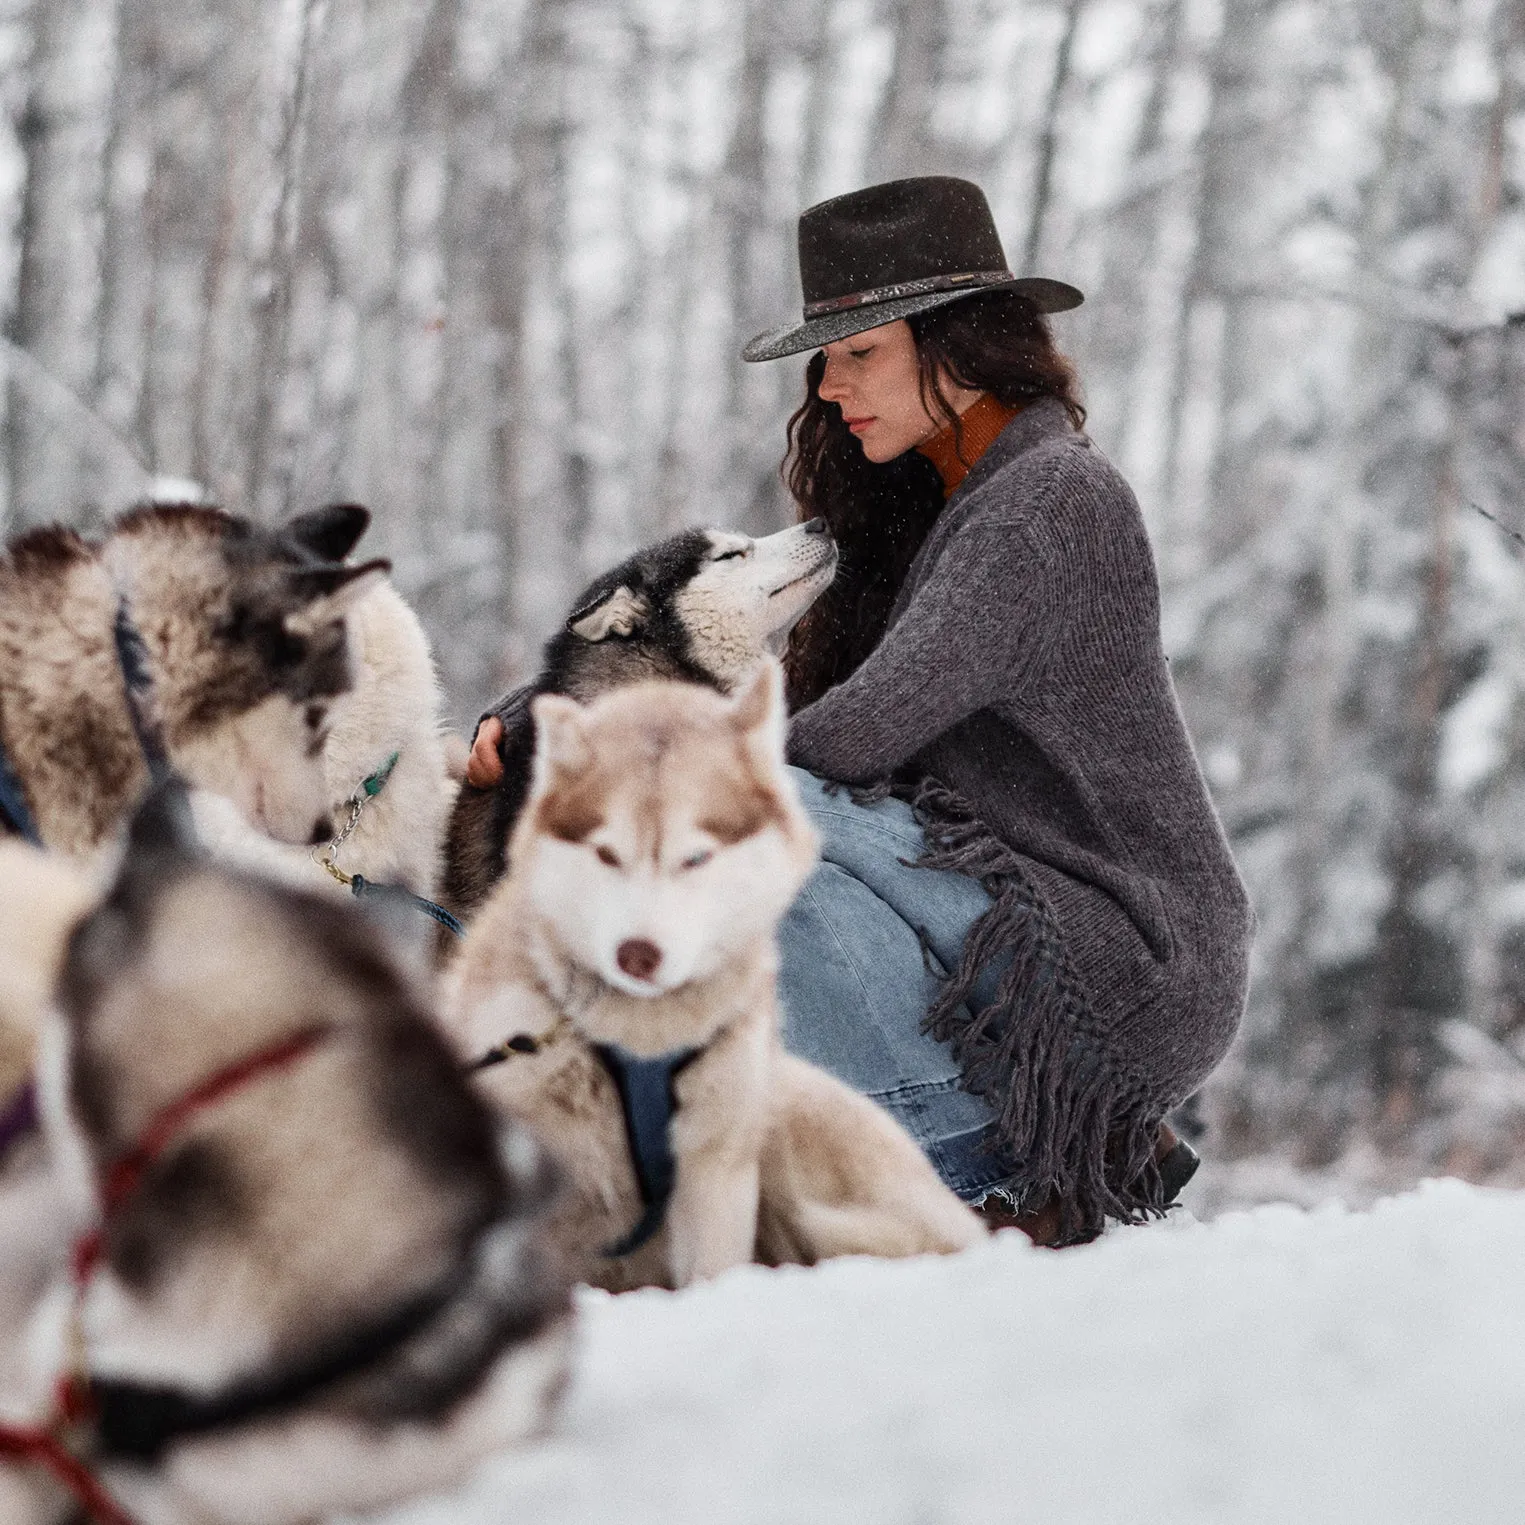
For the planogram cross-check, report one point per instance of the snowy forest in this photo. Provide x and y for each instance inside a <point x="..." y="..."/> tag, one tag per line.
<point x="487" y="266"/>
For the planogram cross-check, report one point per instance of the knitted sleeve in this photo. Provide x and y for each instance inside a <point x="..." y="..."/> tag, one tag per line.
<point x="978" y="630"/>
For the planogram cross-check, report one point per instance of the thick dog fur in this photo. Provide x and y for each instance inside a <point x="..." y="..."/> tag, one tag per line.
<point x="293" y="1215"/>
<point x="41" y="898"/>
<point x="841" y="1177"/>
<point x="245" y="635"/>
<point x="394" y="706"/>
<point x="662" y="816"/>
<point x="703" y="606"/>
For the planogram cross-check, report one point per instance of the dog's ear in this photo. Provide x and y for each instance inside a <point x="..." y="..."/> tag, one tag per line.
<point x="331" y="532"/>
<point x="561" y="742"/>
<point x="328" y="592"/>
<point x="161" y="844"/>
<point x="162" y="827"/>
<point x="161" y="840"/>
<point x="757" y="711"/>
<point x="620" y="613"/>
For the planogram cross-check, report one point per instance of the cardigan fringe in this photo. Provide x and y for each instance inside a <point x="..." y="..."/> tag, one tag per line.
<point x="1075" y="1124"/>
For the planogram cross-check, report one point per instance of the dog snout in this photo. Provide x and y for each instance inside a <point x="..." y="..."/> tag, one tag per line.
<point x="322" y="830"/>
<point x="817" y="526"/>
<point x="638" y="958"/>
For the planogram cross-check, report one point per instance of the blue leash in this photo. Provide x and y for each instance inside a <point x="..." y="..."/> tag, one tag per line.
<point x="361" y="887"/>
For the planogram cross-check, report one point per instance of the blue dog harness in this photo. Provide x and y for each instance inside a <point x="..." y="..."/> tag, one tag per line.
<point x="648" y="1100"/>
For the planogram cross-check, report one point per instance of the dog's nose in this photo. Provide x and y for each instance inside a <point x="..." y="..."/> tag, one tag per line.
<point x="322" y="830"/>
<point x="817" y="526"/>
<point x="638" y="958"/>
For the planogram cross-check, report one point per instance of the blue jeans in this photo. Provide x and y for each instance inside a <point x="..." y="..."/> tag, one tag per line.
<point x="855" y="984"/>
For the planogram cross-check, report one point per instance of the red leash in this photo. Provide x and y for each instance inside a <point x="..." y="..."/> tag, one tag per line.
<point x="43" y="1445"/>
<point x="43" y="1448"/>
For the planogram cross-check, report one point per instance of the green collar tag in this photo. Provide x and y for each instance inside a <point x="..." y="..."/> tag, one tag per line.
<point x="377" y="781"/>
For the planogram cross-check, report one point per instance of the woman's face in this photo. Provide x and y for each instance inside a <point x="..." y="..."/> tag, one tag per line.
<point x="873" y="378"/>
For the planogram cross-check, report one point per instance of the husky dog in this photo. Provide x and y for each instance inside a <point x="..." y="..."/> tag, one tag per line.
<point x="385" y="747"/>
<point x="703" y="606"/>
<point x="321" y="1282"/>
<point x="242" y="635"/>
<point x="631" y="947"/>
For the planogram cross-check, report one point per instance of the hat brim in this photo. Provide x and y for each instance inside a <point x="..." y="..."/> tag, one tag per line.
<point x="794" y="338"/>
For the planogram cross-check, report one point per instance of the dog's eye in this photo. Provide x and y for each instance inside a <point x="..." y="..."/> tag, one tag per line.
<point x="607" y="854"/>
<point x="735" y="555"/>
<point x="698" y="859"/>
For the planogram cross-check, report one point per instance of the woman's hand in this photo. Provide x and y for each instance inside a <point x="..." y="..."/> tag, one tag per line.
<point x="484" y="768"/>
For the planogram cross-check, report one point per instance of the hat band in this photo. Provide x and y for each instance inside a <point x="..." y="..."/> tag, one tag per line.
<point x="900" y="289"/>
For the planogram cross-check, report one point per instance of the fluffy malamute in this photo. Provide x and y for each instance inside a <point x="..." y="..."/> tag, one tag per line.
<point x="384" y="748"/>
<point x="241" y="632"/>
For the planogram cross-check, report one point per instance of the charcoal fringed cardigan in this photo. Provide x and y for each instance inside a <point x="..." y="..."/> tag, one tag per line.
<point x="1020" y="697"/>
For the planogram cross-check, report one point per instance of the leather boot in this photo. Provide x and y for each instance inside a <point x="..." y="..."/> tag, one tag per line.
<point x="1174" y="1158"/>
<point x="1176" y="1162"/>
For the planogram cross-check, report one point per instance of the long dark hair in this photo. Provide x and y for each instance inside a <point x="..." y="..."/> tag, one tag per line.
<point x="996" y="342"/>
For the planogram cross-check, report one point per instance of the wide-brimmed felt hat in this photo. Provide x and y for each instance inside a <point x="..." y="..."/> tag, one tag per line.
<point x="891" y="250"/>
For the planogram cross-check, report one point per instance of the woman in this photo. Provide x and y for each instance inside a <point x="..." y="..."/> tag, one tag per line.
<point x="1029" y="941"/>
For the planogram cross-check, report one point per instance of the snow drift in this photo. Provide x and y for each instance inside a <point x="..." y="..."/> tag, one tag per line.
<point x="1273" y="1365"/>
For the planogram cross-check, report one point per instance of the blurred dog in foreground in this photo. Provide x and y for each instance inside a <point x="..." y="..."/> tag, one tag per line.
<point x="618" y="994"/>
<point x="703" y="606"/>
<point x="320" y="1280"/>
<point x="43" y="897"/>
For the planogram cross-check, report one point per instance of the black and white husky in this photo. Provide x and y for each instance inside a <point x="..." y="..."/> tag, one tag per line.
<point x="702" y="606"/>
<point x="240" y="645"/>
<point x="320" y="1280"/>
<point x="387" y="784"/>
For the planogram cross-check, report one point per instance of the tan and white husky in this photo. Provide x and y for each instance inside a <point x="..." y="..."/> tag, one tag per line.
<point x="661" y="842"/>
<point x="322" y="1282"/>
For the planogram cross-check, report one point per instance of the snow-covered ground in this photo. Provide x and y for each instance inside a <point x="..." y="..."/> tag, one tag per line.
<point x="1273" y="1365"/>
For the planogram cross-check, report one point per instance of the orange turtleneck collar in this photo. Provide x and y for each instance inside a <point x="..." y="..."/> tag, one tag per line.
<point x="979" y="423"/>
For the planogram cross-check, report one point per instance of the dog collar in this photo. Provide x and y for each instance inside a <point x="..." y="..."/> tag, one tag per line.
<point x="648" y="1101"/>
<point x="373" y="783"/>
<point x="357" y="884"/>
